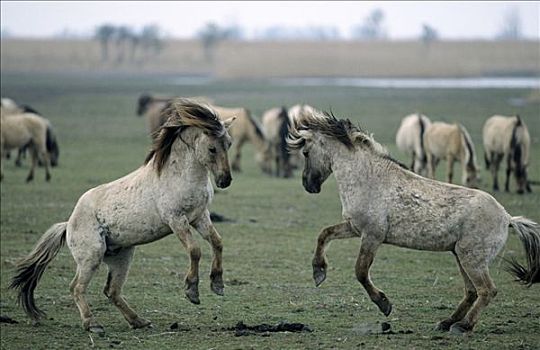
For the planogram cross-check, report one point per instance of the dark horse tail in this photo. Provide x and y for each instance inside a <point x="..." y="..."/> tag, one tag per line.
<point x="30" y="269"/>
<point x="255" y="125"/>
<point x="422" y="125"/>
<point x="283" y="134"/>
<point x="529" y="234"/>
<point x="52" y="146"/>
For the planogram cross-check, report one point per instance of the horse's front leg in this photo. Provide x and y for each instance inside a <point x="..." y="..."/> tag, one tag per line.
<point x="207" y="230"/>
<point x="320" y="264"/>
<point x="450" y="168"/>
<point x="181" y="228"/>
<point x="368" y="249"/>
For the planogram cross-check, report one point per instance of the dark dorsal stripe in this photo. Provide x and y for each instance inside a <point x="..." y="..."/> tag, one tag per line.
<point x="283" y="133"/>
<point x="470" y="163"/>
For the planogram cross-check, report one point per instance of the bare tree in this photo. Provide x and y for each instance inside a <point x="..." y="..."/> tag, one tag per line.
<point x="372" y="28"/>
<point x="104" y="34"/>
<point x="511" y="26"/>
<point x="211" y="34"/>
<point x="150" y="40"/>
<point x="429" y="34"/>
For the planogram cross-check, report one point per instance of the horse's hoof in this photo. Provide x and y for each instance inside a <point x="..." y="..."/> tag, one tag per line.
<point x="48" y="177"/>
<point x="217" y="288"/>
<point x="460" y="328"/>
<point x="140" y="323"/>
<point x="29" y="178"/>
<point x="384" y="305"/>
<point x="319" y="275"/>
<point x="443" y="326"/>
<point x="193" y="296"/>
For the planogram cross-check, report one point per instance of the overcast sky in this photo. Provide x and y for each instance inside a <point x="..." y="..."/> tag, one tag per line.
<point x="403" y="20"/>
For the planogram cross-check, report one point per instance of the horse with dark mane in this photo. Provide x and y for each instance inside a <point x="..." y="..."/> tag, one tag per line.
<point x="276" y="129"/>
<point x="245" y="128"/>
<point x="384" y="203"/>
<point x="507" y="137"/>
<point x="169" y="194"/>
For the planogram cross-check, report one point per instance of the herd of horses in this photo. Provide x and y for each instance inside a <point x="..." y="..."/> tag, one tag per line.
<point x="383" y="201"/>
<point x="503" y="138"/>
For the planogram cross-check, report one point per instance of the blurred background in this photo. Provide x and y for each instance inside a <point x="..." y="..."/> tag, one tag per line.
<point x="238" y="40"/>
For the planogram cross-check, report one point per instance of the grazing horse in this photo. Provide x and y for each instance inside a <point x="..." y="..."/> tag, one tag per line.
<point x="382" y="202"/>
<point x="410" y="140"/>
<point x="170" y="193"/>
<point x="20" y="130"/>
<point x="507" y="137"/>
<point x="245" y="127"/>
<point x="276" y="128"/>
<point x="451" y="142"/>
<point x="9" y="107"/>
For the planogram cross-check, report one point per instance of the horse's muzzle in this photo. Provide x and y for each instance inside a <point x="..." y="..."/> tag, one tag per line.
<point x="311" y="186"/>
<point x="223" y="181"/>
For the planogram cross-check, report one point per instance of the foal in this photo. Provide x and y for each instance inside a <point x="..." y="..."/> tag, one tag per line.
<point x="170" y="193"/>
<point x="385" y="203"/>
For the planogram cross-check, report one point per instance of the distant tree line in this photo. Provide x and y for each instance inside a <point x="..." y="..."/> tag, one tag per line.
<point x="121" y="44"/>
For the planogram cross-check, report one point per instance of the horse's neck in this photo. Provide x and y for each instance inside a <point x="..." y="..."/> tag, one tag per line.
<point x="357" y="170"/>
<point x="183" y="167"/>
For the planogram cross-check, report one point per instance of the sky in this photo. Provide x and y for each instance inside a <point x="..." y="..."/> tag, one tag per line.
<point x="182" y="19"/>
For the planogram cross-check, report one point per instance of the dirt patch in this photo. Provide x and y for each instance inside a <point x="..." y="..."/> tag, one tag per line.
<point x="241" y="329"/>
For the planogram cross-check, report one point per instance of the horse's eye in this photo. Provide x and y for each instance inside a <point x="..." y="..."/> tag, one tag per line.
<point x="212" y="150"/>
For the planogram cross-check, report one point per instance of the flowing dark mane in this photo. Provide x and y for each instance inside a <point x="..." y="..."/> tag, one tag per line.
<point x="181" y="113"/>
<point x="342" y="130"/>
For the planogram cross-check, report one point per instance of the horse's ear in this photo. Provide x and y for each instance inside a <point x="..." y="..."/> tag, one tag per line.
<point x="227" y="122"/>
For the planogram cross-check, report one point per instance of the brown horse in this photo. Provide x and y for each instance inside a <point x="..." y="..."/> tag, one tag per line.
<point x="507" y="137"/>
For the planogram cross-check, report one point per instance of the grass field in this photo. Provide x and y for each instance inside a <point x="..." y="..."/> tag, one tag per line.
<point x="267" y="249"/>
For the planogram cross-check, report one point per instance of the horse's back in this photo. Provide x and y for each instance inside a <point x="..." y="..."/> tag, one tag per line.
<point x="441" y="139"/>
<point x="409" y="133"/>
<point x="272" y="123"/>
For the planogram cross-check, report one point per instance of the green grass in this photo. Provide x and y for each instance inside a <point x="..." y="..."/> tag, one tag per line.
<point x="269" y="246"/>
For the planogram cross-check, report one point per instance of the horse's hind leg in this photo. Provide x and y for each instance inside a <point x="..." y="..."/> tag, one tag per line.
<point x="368" y="249"/>
<point x="119" y="264"/>
<point x="238" y="154"/>
<point x="339" y="231"/>
<point x="479" y="276"/>
<point x="86" y="267"/>
<point x="210" y="234"/>
<point x="30" y="176"/>
<point x="465" y="304"/>
<point x="508" y="172"/>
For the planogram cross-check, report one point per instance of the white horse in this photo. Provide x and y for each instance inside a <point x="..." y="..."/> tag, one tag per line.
<point x="169" y="194"/>
<point x="453" y="143"/>
<point x="20" y="130"/>
<point x="410" y="140"/>
<point x="507" y="137"/>
<point x="385" y="203"/>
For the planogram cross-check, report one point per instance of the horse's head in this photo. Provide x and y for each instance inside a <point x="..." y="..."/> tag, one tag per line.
<point x="309" y="135"/>
<point x="317" y="164"/>
<point x="211" y="151"/>
<point x="200" y="133"/>
<point x="142" y="103"/>
<point x="471" y="176"/>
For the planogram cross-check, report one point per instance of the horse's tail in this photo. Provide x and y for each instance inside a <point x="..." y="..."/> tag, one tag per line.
<point x="283" y="133"/>
<point x="422" y="124"/>
<point x="30" y="269"/>
<point x="52" y="146"/>
<point x="529" y="234"/>
<point x="256" y="127"/>
<point x="471" y="158"/>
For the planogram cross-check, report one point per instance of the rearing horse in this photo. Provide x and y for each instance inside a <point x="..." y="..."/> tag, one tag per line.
<point x="385" y="203"/>
<point x="169" y="194"/>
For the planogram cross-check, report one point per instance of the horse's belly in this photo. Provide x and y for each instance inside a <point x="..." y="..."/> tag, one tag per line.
<point x="415" y="238"/>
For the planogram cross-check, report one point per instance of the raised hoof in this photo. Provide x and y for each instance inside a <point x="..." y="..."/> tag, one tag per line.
<point x="460" y="328"/>
<point x="443" y="326"/>
<point x="193" y="296"/>
<point x="217" y="288"/>
<point x="319" y="275"/>
<point x="384" y="305"/>
<point x="140" y="323"/>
